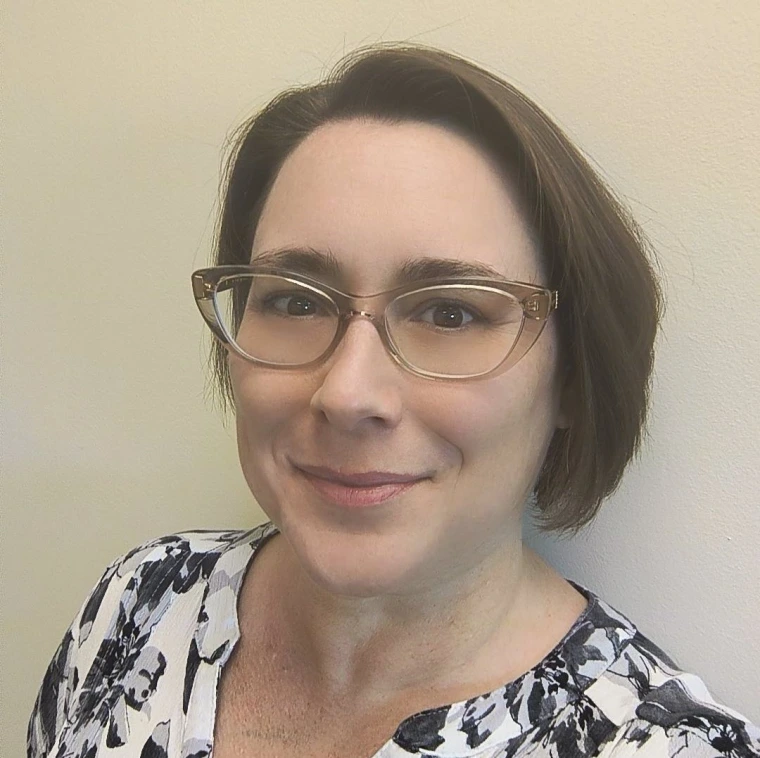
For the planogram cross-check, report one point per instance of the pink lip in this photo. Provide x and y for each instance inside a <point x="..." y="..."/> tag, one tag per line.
<point x="358" y="490"/>
<point x="366" y="479"/>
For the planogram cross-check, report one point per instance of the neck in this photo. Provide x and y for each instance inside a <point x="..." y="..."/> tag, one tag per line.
<point x="485" y="622"/>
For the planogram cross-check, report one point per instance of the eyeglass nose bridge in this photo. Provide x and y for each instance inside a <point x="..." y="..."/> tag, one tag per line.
<point x="378" y="321"/>
<point x="350" y="313"/>
<point x="346" y="312"/>
<point x="346" y="315"/>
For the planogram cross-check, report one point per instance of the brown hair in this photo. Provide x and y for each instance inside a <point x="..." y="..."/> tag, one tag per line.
<point x="594" y="252"/>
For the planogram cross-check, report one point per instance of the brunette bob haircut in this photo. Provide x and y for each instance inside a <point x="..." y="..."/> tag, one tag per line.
<point x="594" y="253"/>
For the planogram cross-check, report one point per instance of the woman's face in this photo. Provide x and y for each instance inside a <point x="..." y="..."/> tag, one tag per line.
<point x="375" y="195"/>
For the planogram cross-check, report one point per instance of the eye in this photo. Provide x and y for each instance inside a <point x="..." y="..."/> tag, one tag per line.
<point x="290" y="304"/>
<point x="446" y="314"/>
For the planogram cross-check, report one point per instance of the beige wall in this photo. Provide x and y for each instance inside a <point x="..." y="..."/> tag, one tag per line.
<point x="115" y="117"/>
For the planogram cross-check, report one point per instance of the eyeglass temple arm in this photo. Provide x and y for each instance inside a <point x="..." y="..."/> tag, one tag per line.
<point x="204" y="298"/>
<point x="539" y="306"/>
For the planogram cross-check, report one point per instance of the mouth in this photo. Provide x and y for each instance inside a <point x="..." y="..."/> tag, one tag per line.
<point x="359" y="489"/>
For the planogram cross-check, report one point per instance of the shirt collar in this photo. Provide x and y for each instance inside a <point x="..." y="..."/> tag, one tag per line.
<point x="505" y="716"/>
<point x="218" y="628"/>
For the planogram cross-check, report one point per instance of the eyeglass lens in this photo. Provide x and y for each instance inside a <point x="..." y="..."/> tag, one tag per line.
<point x="453" y="330"/>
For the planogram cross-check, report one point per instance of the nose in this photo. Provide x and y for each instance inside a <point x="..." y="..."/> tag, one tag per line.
<point x="360" y="381"/>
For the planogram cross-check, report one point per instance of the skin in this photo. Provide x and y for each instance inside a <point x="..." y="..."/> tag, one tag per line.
<point x="431" y="596"/>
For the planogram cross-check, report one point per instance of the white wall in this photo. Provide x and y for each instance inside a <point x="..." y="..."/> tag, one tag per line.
<point x="115" y="118"/>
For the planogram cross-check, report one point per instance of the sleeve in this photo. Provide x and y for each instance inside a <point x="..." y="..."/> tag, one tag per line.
<point x="52" y="706"/>
<point x="686" y="740"/>
<point x="709" y="730"/>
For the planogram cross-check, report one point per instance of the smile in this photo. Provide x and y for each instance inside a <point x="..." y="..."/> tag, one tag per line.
<point x="359" y="490"/>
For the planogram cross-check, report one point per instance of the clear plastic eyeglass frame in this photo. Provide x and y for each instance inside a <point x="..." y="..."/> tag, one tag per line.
<point x="537" y="305"/>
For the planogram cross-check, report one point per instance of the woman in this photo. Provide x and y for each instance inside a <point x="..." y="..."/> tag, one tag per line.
<point x="430" y="313"/>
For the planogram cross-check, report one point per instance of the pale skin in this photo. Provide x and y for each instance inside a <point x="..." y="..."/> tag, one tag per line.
<point x="353" y="620"/>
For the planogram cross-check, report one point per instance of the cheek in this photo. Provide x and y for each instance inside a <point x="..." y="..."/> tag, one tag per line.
<point x="262" y="398"/>
<point x="482" y="422"/>
<point x="266" y="406"/>
<point x="264" y="402"/>
<point x="500" y="427"/>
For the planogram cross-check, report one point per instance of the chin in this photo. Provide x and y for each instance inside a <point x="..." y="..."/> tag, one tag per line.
<point x="356" y="565"/>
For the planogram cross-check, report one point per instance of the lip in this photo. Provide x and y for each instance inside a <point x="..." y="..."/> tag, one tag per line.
<point x="360" y="489"/>
<point x="365" y="479"/>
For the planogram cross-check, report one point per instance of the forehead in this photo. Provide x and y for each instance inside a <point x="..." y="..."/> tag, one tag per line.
<point x="378" y="198"/>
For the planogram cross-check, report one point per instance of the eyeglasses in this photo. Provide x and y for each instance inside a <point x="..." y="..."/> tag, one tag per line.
<point x="440" y="329"/>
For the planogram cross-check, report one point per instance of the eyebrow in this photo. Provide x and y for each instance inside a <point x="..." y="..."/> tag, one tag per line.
<point x="324" y="264"/>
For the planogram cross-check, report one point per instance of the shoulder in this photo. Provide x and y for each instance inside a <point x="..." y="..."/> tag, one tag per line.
<point x="659" y="710"/>
<point x="128" y="628"/>
<point x="146" y="579"/>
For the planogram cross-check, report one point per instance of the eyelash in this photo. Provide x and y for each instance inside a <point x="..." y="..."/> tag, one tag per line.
<point x="475" y="316"/>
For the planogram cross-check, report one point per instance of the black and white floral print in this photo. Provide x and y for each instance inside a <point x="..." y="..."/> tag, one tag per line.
<point x="136" y="675"/>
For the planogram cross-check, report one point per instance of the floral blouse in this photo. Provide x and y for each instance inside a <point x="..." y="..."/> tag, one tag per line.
<point x="136" y="676"/>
